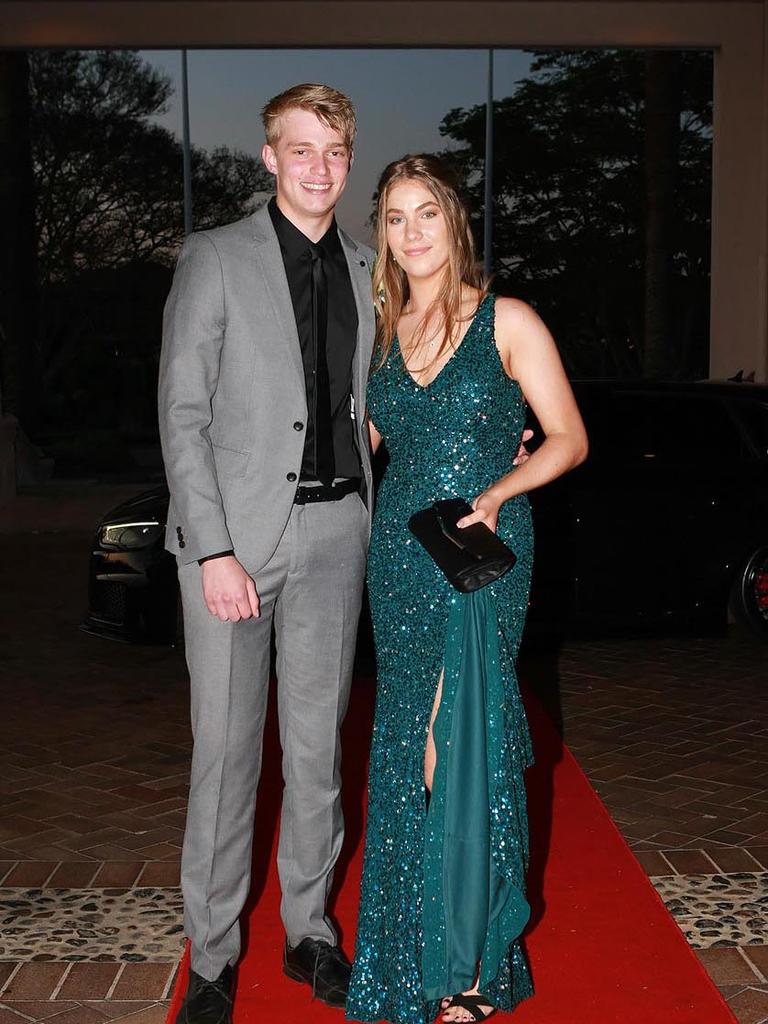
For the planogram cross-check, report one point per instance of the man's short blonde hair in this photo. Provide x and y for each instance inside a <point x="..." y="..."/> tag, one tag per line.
<point x="329" y="105"/>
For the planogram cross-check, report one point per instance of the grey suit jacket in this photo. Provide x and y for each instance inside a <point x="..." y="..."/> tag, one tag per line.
<point x="232" y="386"/>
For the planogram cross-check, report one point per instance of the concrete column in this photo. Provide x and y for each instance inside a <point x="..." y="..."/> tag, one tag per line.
<point x="739" y="292"/>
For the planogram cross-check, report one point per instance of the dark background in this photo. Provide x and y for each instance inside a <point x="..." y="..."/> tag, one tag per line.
<point x="601" y="220"/>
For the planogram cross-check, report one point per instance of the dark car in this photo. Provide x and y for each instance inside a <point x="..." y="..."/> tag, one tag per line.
<point x="665" y="524"/>
<point x="132" y="582"/>
<point x="667" y="520"/>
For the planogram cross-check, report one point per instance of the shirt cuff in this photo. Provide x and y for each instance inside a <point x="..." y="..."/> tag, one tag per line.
<point x="219" y="554"/>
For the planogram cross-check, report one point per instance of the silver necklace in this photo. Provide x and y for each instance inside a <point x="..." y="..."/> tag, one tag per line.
<point x="429" y="342"/>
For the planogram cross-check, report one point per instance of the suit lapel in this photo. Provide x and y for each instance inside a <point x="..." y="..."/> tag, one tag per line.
<point x="360" y="275"/>
<point x="270" y="260"/>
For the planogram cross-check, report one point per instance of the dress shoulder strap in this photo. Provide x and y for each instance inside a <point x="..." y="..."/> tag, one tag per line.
<point x="484" y="323"/>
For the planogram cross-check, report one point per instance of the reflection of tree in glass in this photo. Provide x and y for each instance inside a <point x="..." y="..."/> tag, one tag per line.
<point x="109" y="182"/>
<point x="583" y="215"/>
<point x="110" y="220"/>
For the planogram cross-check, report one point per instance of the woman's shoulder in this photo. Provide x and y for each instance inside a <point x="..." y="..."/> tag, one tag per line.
<point x="518" y="332"/>
<point x="512" y="312"/>
<point x="515" y="321"/>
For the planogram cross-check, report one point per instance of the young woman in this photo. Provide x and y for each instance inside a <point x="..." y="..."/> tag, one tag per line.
<point x="442" y="902"/>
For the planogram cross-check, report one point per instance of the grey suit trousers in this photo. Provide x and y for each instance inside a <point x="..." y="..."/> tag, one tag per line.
<point x="311" y="591"/>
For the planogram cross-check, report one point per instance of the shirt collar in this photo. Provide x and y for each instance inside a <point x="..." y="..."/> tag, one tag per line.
<point x="294" y="242"/>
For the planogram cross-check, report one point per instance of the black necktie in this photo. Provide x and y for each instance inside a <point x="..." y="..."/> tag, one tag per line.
<point x="324" y="459"/>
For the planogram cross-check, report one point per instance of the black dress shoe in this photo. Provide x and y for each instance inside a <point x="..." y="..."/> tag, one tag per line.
<point x="322" y="966"/>
<point x="207" y="1002"/>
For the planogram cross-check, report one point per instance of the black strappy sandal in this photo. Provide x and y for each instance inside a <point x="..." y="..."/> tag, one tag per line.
<point x="472" y="1004"/>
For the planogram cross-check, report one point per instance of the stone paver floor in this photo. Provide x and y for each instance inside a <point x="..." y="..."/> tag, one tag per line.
<point x="94" y="753"/>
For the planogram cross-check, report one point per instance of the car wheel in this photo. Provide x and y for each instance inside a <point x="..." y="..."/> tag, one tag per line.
<point x="749" y="595"/>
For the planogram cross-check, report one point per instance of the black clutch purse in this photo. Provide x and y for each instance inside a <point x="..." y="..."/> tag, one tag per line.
<point x="470" y="557"/>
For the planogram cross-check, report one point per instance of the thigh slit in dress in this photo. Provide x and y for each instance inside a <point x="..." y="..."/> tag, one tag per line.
<point x="444" y="885"/>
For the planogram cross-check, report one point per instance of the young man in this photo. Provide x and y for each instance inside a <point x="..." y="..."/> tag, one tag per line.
<point x="268" y="334"/>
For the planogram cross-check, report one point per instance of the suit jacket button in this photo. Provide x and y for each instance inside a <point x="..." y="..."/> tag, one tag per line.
<point x="298" y="425"/>
<point x="178" y="531"/>
<point x="291" y="477"/>
<point x="182" y="543"/>
<point x="362" y="263"/>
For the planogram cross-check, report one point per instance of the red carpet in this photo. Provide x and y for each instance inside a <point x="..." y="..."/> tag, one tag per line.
<point x="602" y="947"/>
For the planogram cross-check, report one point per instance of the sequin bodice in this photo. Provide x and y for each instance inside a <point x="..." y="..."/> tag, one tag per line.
<point x="457" y="434"/>
<point x="451" y="438"/>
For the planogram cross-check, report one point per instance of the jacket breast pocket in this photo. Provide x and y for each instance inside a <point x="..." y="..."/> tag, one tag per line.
<point x="229" y="462"/>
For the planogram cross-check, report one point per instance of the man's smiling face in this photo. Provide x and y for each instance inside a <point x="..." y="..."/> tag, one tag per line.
<point x="310" y="162"/>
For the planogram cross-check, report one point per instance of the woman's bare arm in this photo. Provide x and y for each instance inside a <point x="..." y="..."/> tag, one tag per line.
<point x="529" y="355"/>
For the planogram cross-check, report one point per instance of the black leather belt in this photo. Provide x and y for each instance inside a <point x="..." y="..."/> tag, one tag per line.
<point x="307" y="495"/>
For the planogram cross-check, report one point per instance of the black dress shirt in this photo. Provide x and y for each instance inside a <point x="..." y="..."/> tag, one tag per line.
<point x="341" y="335"/>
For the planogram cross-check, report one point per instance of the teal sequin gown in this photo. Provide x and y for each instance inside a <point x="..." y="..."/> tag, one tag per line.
<point x="443" y="883"/>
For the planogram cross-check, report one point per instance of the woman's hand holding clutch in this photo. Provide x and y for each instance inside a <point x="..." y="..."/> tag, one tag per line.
<point x="486" y="507"/>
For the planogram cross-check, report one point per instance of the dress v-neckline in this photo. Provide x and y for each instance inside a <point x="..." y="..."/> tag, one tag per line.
<point x="447" y="363"/>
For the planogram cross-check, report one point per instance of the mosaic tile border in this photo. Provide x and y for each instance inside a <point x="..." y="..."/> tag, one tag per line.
<point x="719" y="909"/>
<point x="128" y="925"/>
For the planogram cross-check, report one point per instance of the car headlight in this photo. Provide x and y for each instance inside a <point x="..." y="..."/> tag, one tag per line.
<point x="129" y="535"/>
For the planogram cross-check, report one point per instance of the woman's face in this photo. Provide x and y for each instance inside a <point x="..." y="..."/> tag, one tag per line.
<point x="417" y="231"/>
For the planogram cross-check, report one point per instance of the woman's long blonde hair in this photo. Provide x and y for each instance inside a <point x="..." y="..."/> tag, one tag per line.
<point x="390" y="284"/>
